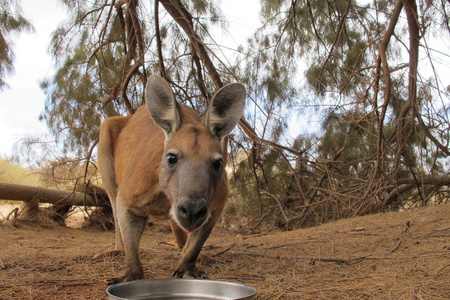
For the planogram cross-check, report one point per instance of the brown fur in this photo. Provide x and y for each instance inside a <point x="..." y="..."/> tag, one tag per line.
<point x="133" y="160"/>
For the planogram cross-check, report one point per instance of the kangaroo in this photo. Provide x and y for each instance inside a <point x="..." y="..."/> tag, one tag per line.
<point x="166" y="160"/>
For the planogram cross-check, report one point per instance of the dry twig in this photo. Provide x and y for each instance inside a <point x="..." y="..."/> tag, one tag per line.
<point x="396" y="246"/>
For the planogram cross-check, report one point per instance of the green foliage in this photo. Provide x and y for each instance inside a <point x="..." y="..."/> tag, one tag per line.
<point x="331" y="35"/>
<point x="11" y="22"/>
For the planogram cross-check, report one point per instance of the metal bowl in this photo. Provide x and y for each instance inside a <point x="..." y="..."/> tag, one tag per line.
<point x="180" y="289"/>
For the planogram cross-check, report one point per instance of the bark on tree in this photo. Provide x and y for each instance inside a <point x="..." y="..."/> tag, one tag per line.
<point x="20" y="192"/>
<point x="387" y="81"/>
<point x="406" y="184"/>
<point x="414" y="37"/>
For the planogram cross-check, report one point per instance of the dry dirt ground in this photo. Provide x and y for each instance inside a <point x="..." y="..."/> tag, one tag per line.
<point x="402" y="255"/>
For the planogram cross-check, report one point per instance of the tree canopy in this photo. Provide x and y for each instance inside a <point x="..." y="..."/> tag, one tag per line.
<point x="11" y="22"/>
<point x="370" y="72"/>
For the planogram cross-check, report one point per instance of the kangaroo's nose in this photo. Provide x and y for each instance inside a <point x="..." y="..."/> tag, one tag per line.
<point x="192" y="213"/>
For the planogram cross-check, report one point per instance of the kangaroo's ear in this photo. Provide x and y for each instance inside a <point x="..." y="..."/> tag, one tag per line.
<point x="226" y="109"/>
<point x="161" y="105"/>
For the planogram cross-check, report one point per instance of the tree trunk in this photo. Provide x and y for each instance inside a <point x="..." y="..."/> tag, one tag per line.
<point x="406" y="184"/>
<point x="12" y="191"/>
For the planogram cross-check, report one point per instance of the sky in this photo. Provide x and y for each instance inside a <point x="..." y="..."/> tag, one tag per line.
<point x="23" y="101"/>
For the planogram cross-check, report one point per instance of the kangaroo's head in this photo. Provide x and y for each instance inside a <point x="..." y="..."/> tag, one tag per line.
<point x="193" y="162"/>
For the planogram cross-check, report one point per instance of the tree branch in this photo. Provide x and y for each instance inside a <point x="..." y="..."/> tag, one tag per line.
<point x="414" y="37"/>
<point x="184" y="19"/>
<point x="406" y="184"/>
<point x="387" y="79"/>
<point x="162" y="69"/>
<point x="337" y="37"/>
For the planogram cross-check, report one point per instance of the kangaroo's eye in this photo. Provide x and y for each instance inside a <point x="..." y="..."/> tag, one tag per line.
<point x="172" y="158"/>
<point x="217" y="164"/>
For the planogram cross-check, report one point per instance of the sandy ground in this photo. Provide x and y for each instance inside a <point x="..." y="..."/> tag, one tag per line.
<point x="401" y="255"/>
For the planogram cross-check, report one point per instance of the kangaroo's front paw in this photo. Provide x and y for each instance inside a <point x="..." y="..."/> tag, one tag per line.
<point x="191" y="270"/>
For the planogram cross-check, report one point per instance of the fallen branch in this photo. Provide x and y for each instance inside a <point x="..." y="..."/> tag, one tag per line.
<point x="26" y="193"/>
<point x="405" y="184"/>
